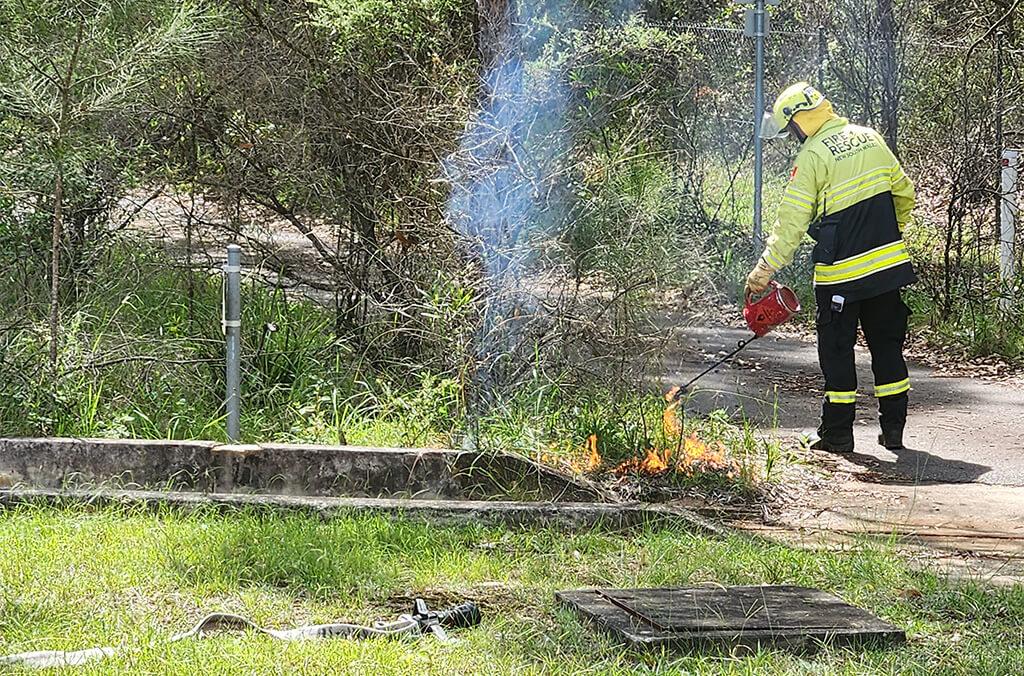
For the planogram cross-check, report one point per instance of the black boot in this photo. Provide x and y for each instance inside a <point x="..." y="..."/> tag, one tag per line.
<point x="891" y="439"/>
<point x="835" y="434"/>
<point x="892" y="416"/>
<point x="832" y="447"/>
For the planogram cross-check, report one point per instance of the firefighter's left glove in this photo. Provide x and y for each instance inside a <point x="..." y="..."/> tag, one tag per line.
<point x="757" y="280"/>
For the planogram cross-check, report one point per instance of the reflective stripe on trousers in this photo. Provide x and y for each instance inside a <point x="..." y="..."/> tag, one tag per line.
<point x="890" y="389"/>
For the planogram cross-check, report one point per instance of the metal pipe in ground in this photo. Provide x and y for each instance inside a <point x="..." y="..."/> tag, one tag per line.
<point x="233" y="335"/>
<point x="1007" y="232"/>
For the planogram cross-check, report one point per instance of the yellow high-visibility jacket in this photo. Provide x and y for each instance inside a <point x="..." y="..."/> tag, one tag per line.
<point x="848" y="191"/>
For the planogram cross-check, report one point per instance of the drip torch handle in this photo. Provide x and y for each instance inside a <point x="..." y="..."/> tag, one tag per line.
<point x="751" y="298"/>
<point x="460" y="616"/>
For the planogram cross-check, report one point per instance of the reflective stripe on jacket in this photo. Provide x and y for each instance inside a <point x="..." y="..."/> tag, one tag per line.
<point x="848" y="191"/>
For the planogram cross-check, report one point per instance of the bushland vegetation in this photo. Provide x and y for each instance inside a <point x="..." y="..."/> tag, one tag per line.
<point x="459" y="217"/>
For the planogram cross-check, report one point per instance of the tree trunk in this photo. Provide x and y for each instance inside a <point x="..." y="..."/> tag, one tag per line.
<point x="58" y="194"/>
<point x="494" y="24"/>
<point x="998" y="145"/>
<point x="947" y="264"/>
<point x="58" y="227"/>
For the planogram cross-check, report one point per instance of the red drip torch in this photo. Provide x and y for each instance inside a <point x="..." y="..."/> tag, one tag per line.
<point x="774" y="307"/>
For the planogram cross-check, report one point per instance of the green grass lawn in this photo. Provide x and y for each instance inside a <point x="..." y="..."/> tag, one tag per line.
<point x="71" y="579"/>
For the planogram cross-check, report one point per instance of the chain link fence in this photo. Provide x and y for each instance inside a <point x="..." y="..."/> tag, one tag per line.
<point x="946" y="106"/>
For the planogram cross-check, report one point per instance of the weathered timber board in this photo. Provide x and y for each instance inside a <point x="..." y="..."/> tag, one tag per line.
<point x="725" y="618"/>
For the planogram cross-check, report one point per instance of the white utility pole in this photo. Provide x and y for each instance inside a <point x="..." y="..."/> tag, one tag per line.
<point x="1007" y="229"/>
<point x="760" y="32"/>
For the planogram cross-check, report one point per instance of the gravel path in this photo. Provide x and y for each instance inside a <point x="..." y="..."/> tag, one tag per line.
<point x="960" y="430"/>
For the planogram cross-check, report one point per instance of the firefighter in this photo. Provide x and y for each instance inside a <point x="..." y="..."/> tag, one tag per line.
<point x="847" y="191"/>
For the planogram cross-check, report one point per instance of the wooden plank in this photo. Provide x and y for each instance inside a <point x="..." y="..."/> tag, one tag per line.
<point x="714" y="619"/>
<point x="740" y="608"/>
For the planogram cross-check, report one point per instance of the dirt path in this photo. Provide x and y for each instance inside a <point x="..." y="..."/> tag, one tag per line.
<point x="955" y="496"/>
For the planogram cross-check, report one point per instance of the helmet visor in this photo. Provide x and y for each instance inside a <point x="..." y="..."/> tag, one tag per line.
<point x="770" y="128"/>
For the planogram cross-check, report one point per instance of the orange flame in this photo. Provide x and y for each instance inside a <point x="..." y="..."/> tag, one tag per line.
<point x="592" y="462"/>
<point x="670" y="422"/>
<point x="684" y="454"/>
<point x="699" y="457"/>
<point x="689" y="456"/>
<point x="654" y="462"/>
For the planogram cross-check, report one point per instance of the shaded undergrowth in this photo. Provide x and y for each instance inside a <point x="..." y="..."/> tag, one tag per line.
<point x="142" y="357"/>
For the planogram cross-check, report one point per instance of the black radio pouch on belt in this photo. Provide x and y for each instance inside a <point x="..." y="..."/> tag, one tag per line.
<point x="823" y="232"/>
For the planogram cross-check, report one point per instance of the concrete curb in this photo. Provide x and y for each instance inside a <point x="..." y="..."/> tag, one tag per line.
<point x="438" y="485"/>
<point x="285" y="469"/>
<point x="559" y="515"/>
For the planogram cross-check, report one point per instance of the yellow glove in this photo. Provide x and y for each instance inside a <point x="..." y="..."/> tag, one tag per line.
<point x="757" y="280"/>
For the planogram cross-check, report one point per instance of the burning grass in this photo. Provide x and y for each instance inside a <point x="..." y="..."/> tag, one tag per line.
<point x="690" y="456"/>
<point x="638" y="452"/>
<point x="673" y="452"/>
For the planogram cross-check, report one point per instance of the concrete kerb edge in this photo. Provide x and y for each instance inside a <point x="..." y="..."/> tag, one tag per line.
<point x="290" y="469"/>
<point x="570" y="515"/>
<point x="202" y="458"/>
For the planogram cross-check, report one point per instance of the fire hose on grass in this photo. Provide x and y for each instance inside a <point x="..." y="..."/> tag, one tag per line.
<point x="420" y="621"/>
